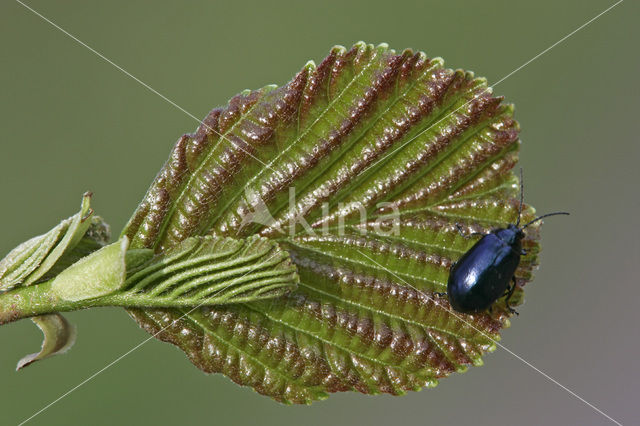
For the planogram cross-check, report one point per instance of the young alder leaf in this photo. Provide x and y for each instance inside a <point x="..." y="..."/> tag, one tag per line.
<point x="203" y="270"/>
<point x="44" y="256"/>
<point x="362" y="168"/>
<point x="97" y="236"/>
<point x="59" y="336"/>
<point x="209" y="271"/>
<point x="101" y="273"/>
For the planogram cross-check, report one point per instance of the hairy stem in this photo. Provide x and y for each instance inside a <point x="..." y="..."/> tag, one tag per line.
<point x="30" y="301"/>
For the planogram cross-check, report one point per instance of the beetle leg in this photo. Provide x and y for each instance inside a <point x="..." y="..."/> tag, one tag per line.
<point x="509" y="294"/>
<point x="523" y="252"/>
<point x="440" y="294"/>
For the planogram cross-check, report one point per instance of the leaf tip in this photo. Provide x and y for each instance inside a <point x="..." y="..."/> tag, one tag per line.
<point x="383" y="47"/>
<point x="320" y="397"/>
<point x="338" y="49"/>
<point x="478" y="362"/>
<point x="437" y="61"/>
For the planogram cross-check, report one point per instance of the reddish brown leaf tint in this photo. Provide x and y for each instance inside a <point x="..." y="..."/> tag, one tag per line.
<point x="385" y="153"/>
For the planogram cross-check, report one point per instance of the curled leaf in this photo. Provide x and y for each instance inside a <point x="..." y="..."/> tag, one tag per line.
<point x="361" y="168"/>
<point x="59" y="336"/>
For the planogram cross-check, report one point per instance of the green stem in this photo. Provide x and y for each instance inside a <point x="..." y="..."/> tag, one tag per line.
<point x="258" y="270"/>
<point x="30" y="301"/>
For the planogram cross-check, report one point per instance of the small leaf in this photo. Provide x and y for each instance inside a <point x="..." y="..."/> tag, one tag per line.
<point x="101" y="273"/>
<point x="210" y="271"/>
<point x="199" y="271"/>
<point x="24" y="259"/>
<point x="42" y="257"/>
<point x="361" y="168"/>
<point x="59" y="336"/>
<point x="96" y="237"/>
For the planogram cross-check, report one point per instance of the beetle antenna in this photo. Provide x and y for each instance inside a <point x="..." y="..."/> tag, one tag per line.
<point x="542" y="217"/>
<point x="521" y="199"/>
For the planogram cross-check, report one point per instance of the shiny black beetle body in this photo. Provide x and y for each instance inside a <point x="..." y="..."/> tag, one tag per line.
<point x="483" y="274"/>
<point x="486" y="271"/>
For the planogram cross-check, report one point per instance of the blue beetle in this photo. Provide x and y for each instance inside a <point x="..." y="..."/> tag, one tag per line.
<point x="483" y="274"/>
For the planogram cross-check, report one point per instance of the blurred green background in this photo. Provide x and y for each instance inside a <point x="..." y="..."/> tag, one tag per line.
<point x="71" y="122"/>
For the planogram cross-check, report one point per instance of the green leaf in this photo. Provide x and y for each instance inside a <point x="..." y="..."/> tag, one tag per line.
<point x="397" y="140"/>
<point x="44" y="256"/>
<point x="209" y="271"/>
<point x="206" y="270"/>
<point x="101" y="273"/>
<point x="97" y="236"/>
